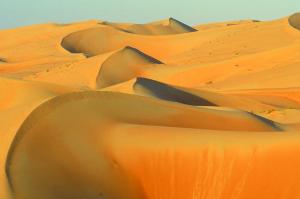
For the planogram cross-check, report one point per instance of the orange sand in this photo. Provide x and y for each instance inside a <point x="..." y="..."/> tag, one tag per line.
<point x="151" y="111"/>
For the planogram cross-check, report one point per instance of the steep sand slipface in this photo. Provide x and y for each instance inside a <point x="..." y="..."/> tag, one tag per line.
<point x="180" y="27"/>
<point x="124" y="65"/>
<point x="294" y="20"/>
<point x="169" y="93"/>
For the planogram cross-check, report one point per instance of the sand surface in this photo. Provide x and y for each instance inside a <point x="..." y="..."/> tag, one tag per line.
<point x="163" y="110"/>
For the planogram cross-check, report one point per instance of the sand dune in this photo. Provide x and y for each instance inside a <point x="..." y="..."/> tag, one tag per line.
<point x="123" y="65"/>
<point x="96" y="109"/>
<point x="17" y="99"/>
<point x="173" y="26"/>
<point x="103" y="39"/>
<point x="99" y="118"/>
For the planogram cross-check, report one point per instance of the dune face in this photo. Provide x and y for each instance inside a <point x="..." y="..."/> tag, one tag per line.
<point x="179" y="26"/>
<point x="294" y="20"/>
<point x="166" y="92"/>
<point x="150" y="111"/>
<point x="123" y="66"/>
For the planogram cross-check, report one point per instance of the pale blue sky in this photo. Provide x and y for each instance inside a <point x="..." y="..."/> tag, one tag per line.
<point x="15" y="13"/>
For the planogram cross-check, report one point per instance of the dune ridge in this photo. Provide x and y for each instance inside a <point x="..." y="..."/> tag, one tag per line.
<point x="173" y="26"/>
<point x="99" y="109"/>
<point x="123" y="66"/>
<point x="103" y="110"/>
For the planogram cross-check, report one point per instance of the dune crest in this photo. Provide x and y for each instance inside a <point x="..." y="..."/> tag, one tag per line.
<point x="123" y="65"/>
<point x="96" y="118"/>
<point x="101" y="110"/>
<point x="294" y="20"/>
<point x="172" y="26"/>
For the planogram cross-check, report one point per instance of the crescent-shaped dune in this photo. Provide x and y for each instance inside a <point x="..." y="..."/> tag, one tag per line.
<point x="123" y="65"/>
<point x="101" y="110"/>
<point x="61" y="167"/>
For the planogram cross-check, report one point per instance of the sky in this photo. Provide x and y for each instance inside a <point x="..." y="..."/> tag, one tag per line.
<point x="16" y="13"/>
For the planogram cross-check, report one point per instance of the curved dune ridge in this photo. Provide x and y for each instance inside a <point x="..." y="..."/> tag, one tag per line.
<point x="98" y="117"/>
<point x="294" y="20"/>
<point x="102" y="110"/>
<point x="173" y="26"/>
<point x="106" y="38"/>
<point x="123" y="65"/>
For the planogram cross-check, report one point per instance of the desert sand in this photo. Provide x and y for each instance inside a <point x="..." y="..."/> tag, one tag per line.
<point x="162" y="110"/>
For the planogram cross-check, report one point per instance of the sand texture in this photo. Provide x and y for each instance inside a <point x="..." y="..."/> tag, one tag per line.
<point x="163" y="110"/>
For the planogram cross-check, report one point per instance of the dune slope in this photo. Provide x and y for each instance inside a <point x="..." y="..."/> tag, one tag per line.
<point x="124" y="65"/>
<point x="161" y="110"/>
<point x="98" y="118"/>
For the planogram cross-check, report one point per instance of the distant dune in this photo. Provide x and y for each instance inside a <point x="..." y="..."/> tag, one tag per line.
<point x="173" y="26"/>
<point x="108" y="110"/>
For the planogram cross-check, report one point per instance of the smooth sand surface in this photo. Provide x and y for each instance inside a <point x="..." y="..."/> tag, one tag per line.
<point x="163" y="110"/>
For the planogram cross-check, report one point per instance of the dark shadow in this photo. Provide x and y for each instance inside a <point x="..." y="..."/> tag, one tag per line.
<point x="2" y="59"/>
<point x="145" y="56"/>
<point x="169" y="93"/>
<point x="179" y="23"/>
<point x="294" y="21"/>
<point x="271" y="123"/>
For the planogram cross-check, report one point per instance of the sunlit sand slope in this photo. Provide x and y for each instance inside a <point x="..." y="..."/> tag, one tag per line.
<point x="124" y="65"/>
<point x="161" y="110"/>
<point x="128" y="145"/>
<point x="17" y="99"/>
